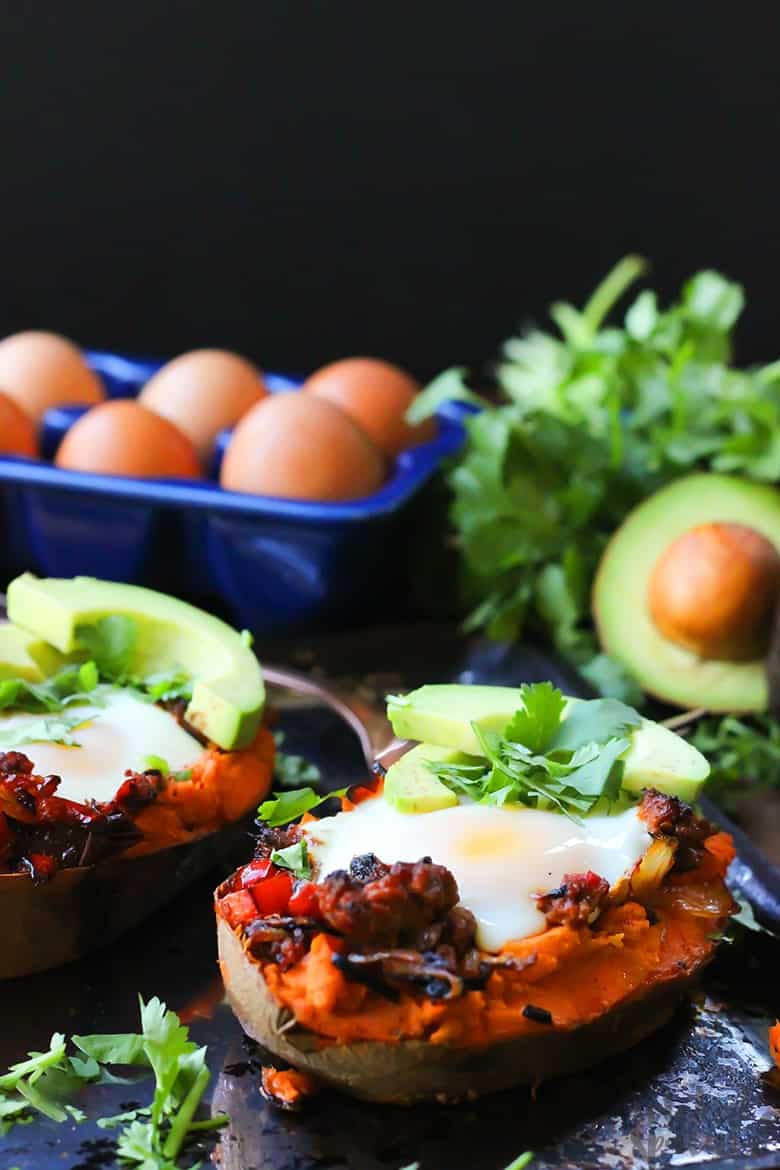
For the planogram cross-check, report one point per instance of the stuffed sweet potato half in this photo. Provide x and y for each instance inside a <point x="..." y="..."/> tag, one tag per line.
<point x="481" y="919"/>
<point x="130" y="753"/>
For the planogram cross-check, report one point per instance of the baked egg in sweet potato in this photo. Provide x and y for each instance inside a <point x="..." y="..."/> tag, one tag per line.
<point x="131" y="750"/>
<point x="500" y="940"/>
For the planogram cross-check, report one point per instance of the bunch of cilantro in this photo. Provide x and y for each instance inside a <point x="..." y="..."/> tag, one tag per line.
<point x="150" y="1137"/>
<point x="742" y="750"/>
<point x="590" y="421"/>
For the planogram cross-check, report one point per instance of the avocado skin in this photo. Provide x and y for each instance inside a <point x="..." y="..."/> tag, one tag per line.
<point x="228" y="695"/>
<point x="620" y="593"/>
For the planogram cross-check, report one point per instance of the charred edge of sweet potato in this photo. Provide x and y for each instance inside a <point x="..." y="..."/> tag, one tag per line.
<point x="417" y="1070"/>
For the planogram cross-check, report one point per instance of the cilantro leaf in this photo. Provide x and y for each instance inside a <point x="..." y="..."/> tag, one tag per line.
<point x="164" y="687"/>
<point x="594" y="721"/>
<point x="292" y="771"/>
<point x="744" y="754"/>
<point x="521" y="1161"/>
<point x="111" y="642"/>
<point x="118" y="1048"/>
<point x="600" y="776"/>
<point x="537" y="721"/>
<point x="546" y="761"/>
<point x="72" y="684"/>
<point x="284" y="807"/>
<point x="295" y="858"/>
<point x="181" y="1074"/>
<point x="51" y="730"/>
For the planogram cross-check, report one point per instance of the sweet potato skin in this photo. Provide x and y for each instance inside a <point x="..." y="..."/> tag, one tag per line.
<point x="85" y="908"/>
<point x="194" y="827"/>
<point x="416" y="1070"/>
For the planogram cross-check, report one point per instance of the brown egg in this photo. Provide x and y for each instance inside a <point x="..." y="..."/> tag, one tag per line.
<point x="203" y="392"/>
<point x="17" y="432"/>
<point x="123" y="438"/>
<point x="303" y="448"/>
<point x="39" y="370"/>
<point x="376" y="395"/>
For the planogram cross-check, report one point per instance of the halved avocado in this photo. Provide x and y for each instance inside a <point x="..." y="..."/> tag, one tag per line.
<point x="621" y="603"/>
<point x="228" y="693"/>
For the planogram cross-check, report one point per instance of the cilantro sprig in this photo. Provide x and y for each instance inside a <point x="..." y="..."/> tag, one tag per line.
<point x="295" y="858"/>
<point x="590" y="420"/>
<point x="292" y="771"/>
<point x="283" y="807"/>
<point x="72" y="684"/>
<point x="150" y="1137"/>
<point x="744" y="755"/>
<point x="111" y="644"/>
<point x="545" y="760"/>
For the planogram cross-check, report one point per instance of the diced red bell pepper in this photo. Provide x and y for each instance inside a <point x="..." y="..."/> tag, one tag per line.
<point x="304" y="902"/>
<point x="41" y="866"/>
<point x="272" y="896"/>
<point x="255" y="871"/>
<point x="239" y="908"/>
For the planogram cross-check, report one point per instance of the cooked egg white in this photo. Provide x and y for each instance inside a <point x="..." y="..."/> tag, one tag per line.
<point x="119" y="735"/>
<point x="500" y="857"/>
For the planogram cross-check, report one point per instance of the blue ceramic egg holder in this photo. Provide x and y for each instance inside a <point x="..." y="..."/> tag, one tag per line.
<point x="277" y="566"/>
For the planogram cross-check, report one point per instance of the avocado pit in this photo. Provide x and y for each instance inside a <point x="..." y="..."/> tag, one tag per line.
<point x="714" y="590"/>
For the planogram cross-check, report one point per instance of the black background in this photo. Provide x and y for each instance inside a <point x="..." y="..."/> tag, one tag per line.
<point x="302" y="180"/>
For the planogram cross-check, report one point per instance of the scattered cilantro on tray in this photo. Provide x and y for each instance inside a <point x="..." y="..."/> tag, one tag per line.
<point x="590" y="421"/>
<point x="292" y="771"/>
<point x="150" y="1137"/>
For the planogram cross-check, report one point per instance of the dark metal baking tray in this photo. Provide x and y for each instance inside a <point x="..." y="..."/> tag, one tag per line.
<point x="692" y="1095"/>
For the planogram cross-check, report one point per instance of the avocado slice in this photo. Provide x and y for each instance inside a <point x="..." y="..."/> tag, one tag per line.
<point x="411" y="788"/>
<point x="620" y="595"/>
<point x="23" y="655"/>
<point x="659" y="758"/>
<point x="443" y="714"/>
<point x="228" y="692"/>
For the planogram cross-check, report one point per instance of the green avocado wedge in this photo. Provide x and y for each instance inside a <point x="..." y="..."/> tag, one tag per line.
<point x="24" y="655"/>
<point x="227" y="693"/>
<point x="620" y="602"/>
<point x="443" y="715"/>
<point x="411" y="787"/>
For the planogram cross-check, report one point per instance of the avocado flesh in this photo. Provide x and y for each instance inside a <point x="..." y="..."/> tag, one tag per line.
<point x="23" y="655"/>
<point x="620" y="605"/>
<point x="228" y="693"/>
<point x="443" y="714"/>
<point x="411" y="787"/>
<point x="660" y="759"/>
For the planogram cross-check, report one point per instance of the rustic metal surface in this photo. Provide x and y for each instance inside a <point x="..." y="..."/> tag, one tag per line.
<point x="690" y="1096"/>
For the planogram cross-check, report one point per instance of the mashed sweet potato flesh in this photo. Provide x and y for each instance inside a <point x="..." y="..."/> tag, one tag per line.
<point x="222" y="788"/>
<point x="578" y="973"/>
